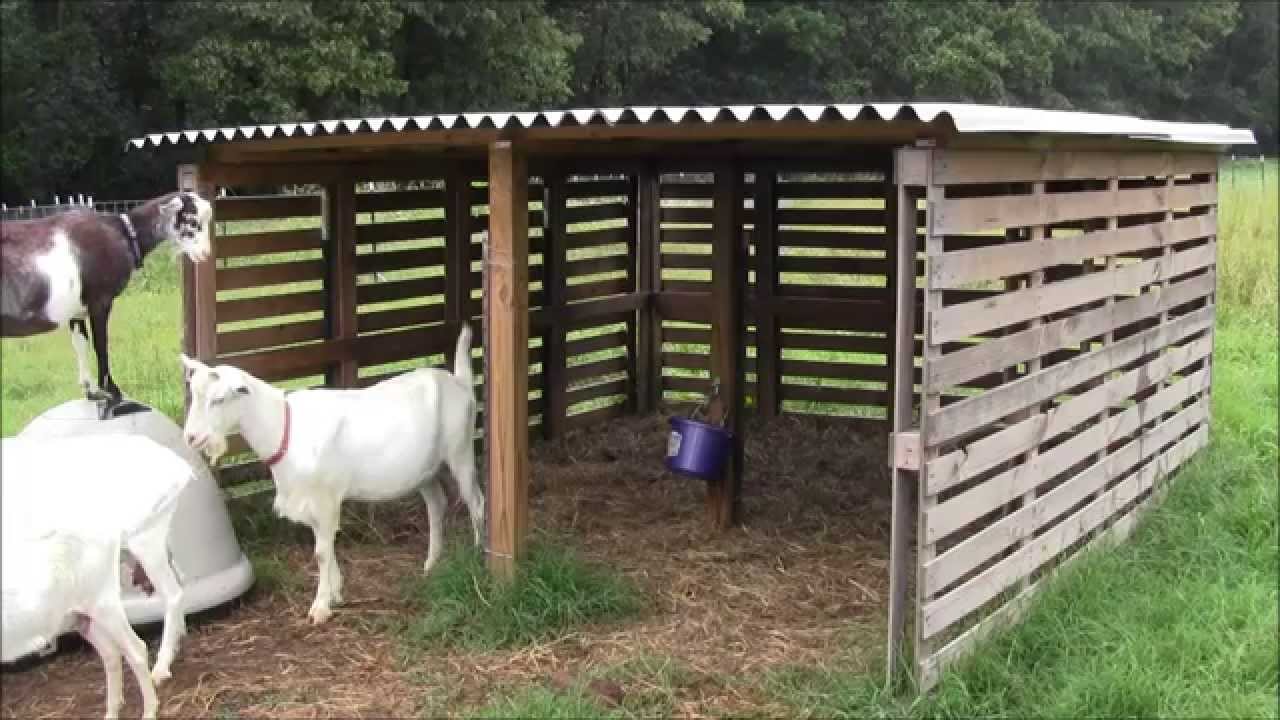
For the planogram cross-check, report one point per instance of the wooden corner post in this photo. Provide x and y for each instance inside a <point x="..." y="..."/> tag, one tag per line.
<point x="506" y="307"/>
<point x="728" y="283"/>
<point x="555" y="387"/>
<point x="909" y="169"/>
<point x="199" y="287"/>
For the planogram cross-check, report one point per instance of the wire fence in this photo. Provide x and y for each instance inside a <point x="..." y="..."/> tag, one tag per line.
<point x="60" y="204"/>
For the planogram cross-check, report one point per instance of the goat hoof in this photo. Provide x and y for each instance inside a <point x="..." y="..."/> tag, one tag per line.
<point x="320" y="615"/>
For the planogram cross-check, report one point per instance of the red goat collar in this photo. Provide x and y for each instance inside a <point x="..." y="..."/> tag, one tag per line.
<point x="284" y="440"/>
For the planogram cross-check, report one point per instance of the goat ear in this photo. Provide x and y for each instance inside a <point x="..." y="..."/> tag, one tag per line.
<point x="190" y="365"/>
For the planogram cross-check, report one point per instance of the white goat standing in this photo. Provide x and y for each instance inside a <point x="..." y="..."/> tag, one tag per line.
<point x="104" y="485"/>
<point x="327" y="445"/>
<point x="62" y="581"/>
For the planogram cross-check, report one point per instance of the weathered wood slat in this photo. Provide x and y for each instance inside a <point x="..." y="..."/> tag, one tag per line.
<point x="399" y="200"/>
<point x="600" y="288"/>
<point x="833" y="395"/>
<point x="686" y="215"/>
<point x="266" y="207"/>
<point x="834" y="217"/>
<point x="832" y="265"/>
<point x="596" y="213"/>
<point x="577" y="373"/>
<point x="389" y="291"/>
<point x="962" y="215"/>
<point x="597" y="188"/>
<point x="976" y="412"/>
<point x="400" y="260"/>
<point x="249" y="276"/>
<point x="981" y="455"/>
<point x="830" y="190"/>
<point x="237" y="341"/>
<point x="228" y="311"/>
<point x="597" y="238"/>
<point x="1011" y="612"/>
<point x="958" y="321"/>
<point x="400" y="317"/>
<point x="953" y="167"/>
<point x="685" y="236"/>
<point x="828" y="239"/>
<point x="834" y="370"/>
<point x="956" y="512"/>
<point x="586" y="393"/>
<point x="976" y="549"/>
<point x="281" y="241"/>
<point x="954" y="269"/>
<point x="996" y="353"/>
<point x="596" y="343"/>
<point x="686" y="261"/>
<point x="387" y="232"/>
<point x="596" y="265"/>
<point x="946" y="610"/>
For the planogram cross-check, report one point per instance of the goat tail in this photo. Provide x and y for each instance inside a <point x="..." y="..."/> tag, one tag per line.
<point x="462" y="355"/>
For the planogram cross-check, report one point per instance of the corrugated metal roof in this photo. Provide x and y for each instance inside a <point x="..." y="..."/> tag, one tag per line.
<point x="965" y="118"/>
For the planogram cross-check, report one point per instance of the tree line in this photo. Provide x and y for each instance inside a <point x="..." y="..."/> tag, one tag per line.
<point x="79" y="78"/>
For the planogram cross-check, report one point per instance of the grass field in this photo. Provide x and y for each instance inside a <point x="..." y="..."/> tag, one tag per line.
<point x="1180" y="621"/>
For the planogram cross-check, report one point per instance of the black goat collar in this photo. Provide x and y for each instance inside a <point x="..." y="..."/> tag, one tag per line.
<point x="132" y="235"/>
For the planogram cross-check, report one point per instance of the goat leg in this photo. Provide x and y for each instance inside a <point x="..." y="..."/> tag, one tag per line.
<point x="109" y="653"/>
<point x="98" y="318"/>
<point x="80" y="343"/>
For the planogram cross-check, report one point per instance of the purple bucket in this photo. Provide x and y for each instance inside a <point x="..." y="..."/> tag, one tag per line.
<point x="697" y="449"/>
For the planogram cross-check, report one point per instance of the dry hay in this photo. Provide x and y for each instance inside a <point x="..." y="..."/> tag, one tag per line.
<point x="801" y="582"/>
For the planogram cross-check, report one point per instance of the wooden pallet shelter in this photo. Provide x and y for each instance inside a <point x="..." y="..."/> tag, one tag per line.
<point x="1025" y="310"/>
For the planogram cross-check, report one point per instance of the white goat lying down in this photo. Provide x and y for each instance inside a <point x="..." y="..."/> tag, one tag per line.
<point x="325" y="445"/>
<point x="62" y="581"/>
<point x="104" y="486"/>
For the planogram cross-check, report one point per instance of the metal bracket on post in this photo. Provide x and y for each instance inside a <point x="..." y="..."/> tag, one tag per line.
<point x="904" y="450"/>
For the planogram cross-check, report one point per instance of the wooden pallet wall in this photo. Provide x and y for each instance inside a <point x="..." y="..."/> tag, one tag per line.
<point x="1096" y="351"/>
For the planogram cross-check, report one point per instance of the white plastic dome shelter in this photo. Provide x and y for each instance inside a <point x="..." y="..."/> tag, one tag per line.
<point x="211" y="566"/>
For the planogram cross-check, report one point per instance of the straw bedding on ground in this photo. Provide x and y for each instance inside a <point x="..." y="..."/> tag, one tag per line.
<point x="802" y="581"/>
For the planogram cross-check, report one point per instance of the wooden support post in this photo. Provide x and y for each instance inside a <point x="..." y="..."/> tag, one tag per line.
<point x="893" y="244"/>
<point x="554" y="385"/>
<point x="636" y="387"/>
<point x="199" y="283"/>
<point x="506" y="307"/>
<point x="930" y="404"/>
<point x="901" y="393"/>
<point x="457" y="269"/>
<point x="728" y="282"/>
<point x="340" y="280"/>
<point x="648" y="240"/>
<point x="768" y="353"/>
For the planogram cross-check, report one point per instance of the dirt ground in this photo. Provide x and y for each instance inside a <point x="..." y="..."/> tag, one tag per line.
<point x="802" y="581"/>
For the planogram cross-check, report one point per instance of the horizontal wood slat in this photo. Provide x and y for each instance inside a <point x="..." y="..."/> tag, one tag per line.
<point x="973" y="413"/>
<point x="269" y="306"/>
<point x="836" y="217"/>
<point x="281" y="241"/>
<point x="1000" y="352"/>
<point x="392" y="290"/>
<point x="400" y="260"/>
<point x="962" y="215"/>
<point x="266" y="208"/>
<point x="954" y="167"/>
<point x="250" y="276"/>
<point x="953" y="269"/>
<point x="399" y="200"/>
<point x="946" y="610"/>
<point x="594" y="213"/>
<point x="959" y="321"/>
<point x="948" y="517"/>
<point x="237" y="341"/>
<point x="981" y="455"/>
<point x="387" y="232"/>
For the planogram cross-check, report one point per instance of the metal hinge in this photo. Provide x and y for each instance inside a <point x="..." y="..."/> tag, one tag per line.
<point x="904" y="450"/>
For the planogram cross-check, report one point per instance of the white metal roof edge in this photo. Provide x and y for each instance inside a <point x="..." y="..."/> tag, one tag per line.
<point x="966" y="118"/>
